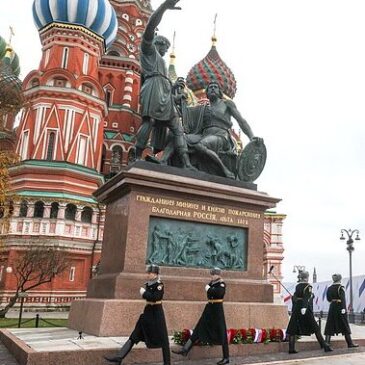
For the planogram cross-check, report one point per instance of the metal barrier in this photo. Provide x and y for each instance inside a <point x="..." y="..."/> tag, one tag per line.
<point x="37" y="320"/>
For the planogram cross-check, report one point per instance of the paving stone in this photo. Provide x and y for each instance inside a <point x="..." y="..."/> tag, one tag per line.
<point x="5" y="357"/>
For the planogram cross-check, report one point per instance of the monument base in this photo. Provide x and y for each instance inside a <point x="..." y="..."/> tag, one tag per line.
<point x="187" y="223"/>
<point x="117" y="317"/>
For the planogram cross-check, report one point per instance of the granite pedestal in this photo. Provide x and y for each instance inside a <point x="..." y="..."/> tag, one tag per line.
<point x="146" y="191"/>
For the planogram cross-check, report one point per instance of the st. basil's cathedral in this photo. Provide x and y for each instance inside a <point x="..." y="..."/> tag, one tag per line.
<point x="77" y="127"/>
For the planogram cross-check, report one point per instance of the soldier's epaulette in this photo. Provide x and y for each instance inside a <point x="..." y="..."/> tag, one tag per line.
<point x="309" y="287"/>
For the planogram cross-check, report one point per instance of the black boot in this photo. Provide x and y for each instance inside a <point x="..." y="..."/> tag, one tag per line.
<point x="324" y="345"/>
<point x="166" y="354"/>
<point x="292" y="345"/>
<point x="328" y="339"/>
<point x="350" y="344"/>
<point x="185" y="349"/>
<point x="122" y="354"/>
<point x="225" y="350"/>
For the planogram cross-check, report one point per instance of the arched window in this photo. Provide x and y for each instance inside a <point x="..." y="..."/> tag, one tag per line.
<point x="116" y="160"/>
<point x="85" y="65"/>
<point x="51" y="145"/>
<point x="108" y="97"/>
<point x="113" y="53"/>
<point x="38" y="209"/>
<point x="54" y="210"/>
<point x="65" y="57"/>
<point x="70" y="212"/>
<point x="46" y="59"/>
<point x="11" y="208"/>
<point x="35" y="82"/>
<point x="23" y="211"/>
<point x="103" y="158"/>
<point x="131" y="155"/>
<point x="86" y="215"/>
<point x="24" y="146"/>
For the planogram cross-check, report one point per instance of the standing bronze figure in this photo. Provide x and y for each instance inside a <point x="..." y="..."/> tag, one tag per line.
<point x="302" y="321"/>
<point x="151" y="325"/>
<point x="211" y="327"/>
<point x="157" y="105"/>
<point x="337" y="321"/>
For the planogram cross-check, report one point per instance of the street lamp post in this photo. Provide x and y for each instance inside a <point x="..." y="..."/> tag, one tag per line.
<point x="22" y="295"/>
<point x="298" y="268"/>
<point x="350" y="248"/>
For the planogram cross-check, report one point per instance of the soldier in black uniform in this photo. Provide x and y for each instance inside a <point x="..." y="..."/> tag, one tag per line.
<point x="302" y="321"/>
<point x="211" y="327"/>
<point x="337" y="315"/>
<point x="151" y="325"/>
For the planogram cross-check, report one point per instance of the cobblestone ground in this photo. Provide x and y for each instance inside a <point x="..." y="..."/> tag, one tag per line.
<point x="5" y="357"/>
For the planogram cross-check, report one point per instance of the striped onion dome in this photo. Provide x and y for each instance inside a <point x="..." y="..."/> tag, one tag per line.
<point x="96" y="15"/>
<point x="9" y="57"/>
<point x="212" y="68"/>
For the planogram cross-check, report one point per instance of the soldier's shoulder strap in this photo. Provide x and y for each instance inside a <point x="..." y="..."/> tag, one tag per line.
<point x="308" y="287"/>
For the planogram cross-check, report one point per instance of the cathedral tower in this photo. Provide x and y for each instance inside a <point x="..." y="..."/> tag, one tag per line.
<point x="59" y="141"/>
<point x="120" y="76"/>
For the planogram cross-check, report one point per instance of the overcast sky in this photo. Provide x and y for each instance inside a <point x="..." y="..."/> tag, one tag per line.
<point x="300" y="71"/>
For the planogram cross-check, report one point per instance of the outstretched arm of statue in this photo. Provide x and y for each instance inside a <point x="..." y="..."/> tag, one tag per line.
<point x="246" y="129"/>
<point x="156" y="18"/>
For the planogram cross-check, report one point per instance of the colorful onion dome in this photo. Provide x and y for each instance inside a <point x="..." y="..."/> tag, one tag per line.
<point x="9" y="57"/>
<point x="11" y="97"/>
<point x="96" y="15"/>
<point x="212" y="68"/>
<point x="2" y="47"/>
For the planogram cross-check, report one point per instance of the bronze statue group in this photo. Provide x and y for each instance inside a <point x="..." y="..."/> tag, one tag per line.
<point x="197" y="137"/>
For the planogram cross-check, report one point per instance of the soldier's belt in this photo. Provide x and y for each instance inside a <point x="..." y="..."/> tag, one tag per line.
<point x="154" y="303"/>
<point x="215" y="301"/>
<point x="336" y="300"/>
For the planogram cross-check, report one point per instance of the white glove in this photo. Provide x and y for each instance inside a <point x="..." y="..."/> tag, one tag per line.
<point x="142" y="290"/>
<point x="207" y="287"/>
<point x="343" y="311"/>
<point x="303" y="310"/>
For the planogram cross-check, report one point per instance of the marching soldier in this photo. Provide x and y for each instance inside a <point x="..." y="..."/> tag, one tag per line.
<point x="151" y="325"/>
<point x="211" y="327"/>
<point x="302" y="321"/>
<point x="337" y="315"/>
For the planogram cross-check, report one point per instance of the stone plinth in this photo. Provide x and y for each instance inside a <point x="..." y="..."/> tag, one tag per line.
<point x="112" y="317"/>
<point x="145" y="192"/>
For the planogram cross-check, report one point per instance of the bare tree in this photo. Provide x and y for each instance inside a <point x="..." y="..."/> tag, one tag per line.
<point x="36" y="266"/>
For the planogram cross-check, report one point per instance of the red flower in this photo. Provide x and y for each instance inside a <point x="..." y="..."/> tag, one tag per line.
<point x="231" y="333"/>
<point x="252" y="332"/>
<point x="243" y="333"/>
<point x="185" y="334"/>
<point x="265" y="335"/>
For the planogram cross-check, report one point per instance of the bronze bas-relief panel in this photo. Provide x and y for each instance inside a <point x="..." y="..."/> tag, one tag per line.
<point x="173" y="242"/>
